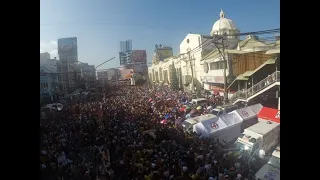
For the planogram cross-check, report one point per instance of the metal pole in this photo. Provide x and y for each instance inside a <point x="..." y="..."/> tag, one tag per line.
<point x="222" y="53"/>
<point x="252" y="85"/>
<point x="224" y="74"/>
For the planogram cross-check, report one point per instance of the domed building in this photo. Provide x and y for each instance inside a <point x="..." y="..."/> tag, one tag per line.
<point x="224" y="26"/>
<point x="201" y="65"/>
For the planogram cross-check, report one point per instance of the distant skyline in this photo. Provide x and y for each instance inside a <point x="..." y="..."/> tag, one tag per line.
<point x="100" y="25"/>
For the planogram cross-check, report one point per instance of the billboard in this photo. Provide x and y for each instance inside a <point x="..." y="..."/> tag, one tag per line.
<point x="126" y="73"/>
<point x="68" y="47"/>
<point x="139" y="56"/>
<point x="163" y="53"/>
<point x="140" y="68"/>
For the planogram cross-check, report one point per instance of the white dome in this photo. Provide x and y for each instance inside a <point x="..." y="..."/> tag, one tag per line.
<point x="223" y="25"/>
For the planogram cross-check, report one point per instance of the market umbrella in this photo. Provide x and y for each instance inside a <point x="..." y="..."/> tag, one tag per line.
<point x="181" y="109"/>
<point x="199" y="107"/>
<point x="187" y="107"/>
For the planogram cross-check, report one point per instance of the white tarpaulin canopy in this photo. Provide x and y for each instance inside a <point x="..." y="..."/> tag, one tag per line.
<point x="246" y="113"/>
<point x="256" y="108"/>
<point x="208" y="127"/>
<point x="231" y="119"/>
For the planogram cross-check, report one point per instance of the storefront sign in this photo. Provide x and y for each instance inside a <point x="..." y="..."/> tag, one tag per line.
<point x="212" y="79"/>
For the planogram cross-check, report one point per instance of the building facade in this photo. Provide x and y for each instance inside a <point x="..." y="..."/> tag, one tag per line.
<point x="102" y="76"/>
<point x="202" y="59"/>
<point x="87" y="74"/>
<point x="68" y="55"/>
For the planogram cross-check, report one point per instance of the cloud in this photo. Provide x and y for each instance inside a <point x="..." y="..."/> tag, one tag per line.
<point x="50" y="47"/>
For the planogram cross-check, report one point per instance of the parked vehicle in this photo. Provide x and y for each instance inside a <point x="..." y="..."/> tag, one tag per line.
<point x="259" y="138"/>
<point x="270" y="170"/>
<point x="187" y="125"/>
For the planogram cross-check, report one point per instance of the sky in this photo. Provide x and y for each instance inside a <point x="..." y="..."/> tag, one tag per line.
<point x="100" y="25"/>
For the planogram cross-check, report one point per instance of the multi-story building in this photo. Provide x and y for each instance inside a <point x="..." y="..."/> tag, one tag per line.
<point x="48" y="78"/>
<point x="102" y="76"/>
<point x="106" y="75"/>
<point x="87" y="73"/>
<point x="68" y="55"/>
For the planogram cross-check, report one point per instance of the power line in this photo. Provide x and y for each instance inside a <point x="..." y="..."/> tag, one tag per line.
<point x="111" y="23"/>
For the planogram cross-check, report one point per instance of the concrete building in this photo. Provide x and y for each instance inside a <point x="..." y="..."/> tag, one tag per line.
<point x="48" y="78"/>
<point x="106" y="75"/>
<point x="87" y="74"/>
<point x="102" y="76"/>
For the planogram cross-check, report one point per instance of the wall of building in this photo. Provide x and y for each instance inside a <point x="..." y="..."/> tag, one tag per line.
<point x="48" y="85"/>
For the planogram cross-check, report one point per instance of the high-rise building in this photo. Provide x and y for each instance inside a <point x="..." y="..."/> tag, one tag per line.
<point x="68" y="55"/>
<point x="125" y="52"/>
<point x="126" y="46"/>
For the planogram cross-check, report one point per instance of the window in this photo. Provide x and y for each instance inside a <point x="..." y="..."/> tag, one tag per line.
<point x="217" y="65"/>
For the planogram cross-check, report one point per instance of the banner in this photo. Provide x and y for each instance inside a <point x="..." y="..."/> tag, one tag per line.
<point x="139" y="56"/>
<point x="126" y="73"/>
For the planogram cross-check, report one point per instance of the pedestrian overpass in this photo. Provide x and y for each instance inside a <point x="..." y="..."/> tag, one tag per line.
<point x="257" y="89"/>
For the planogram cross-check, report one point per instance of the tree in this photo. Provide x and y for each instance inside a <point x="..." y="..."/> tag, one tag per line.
<point x="174" y="85"/>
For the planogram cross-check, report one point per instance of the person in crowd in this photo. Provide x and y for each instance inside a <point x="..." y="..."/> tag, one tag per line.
<point x="104" y="139"/>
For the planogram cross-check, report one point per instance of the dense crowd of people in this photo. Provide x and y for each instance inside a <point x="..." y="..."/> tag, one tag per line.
<point x="109" y="139"/>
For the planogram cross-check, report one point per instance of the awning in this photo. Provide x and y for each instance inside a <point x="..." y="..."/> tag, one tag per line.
<point x="242" y="77"/>
<point x="273" y="51"/>
<point x="270" y="114"/>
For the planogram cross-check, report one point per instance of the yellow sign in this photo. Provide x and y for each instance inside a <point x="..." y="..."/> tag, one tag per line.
<point x="164" y="53"/>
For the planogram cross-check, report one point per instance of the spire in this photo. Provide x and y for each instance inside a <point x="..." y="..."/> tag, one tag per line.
<point x="239" y="48"/>
<point x="221" y="14"/>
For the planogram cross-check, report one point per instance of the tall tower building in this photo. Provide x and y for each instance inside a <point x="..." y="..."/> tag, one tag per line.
<point x="68" y="55"/>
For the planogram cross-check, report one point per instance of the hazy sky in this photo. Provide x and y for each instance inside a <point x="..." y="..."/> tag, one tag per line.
<point x="100" y="25"/>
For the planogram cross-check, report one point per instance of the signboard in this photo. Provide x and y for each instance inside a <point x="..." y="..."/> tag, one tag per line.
<point x="139" y="56"/>
<point x="67" y="46"/>
<point x="217" y="89"/>
<point x="212" y="79"/>
<point x="163" y="53"/>
<point x="67" y="49"/>
<point x="126" y="73"/>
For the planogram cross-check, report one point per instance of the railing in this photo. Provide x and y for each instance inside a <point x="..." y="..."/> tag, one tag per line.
<point x="244" y="94"/>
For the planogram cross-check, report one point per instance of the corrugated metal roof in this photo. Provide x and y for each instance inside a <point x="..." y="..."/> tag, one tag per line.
<point x="247" y="73"/>
<point x="213" y="54"/>
<point x="241" y="78"/>
<point x="251" y="43"/>
<point x="274" y="51"/>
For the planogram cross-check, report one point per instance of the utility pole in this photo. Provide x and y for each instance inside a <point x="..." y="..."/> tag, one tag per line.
<point x="222" y="53"/>
<point x="192" y="81"/>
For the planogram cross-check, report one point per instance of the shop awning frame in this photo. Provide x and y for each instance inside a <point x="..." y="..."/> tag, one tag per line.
<point x="242" y="77"/>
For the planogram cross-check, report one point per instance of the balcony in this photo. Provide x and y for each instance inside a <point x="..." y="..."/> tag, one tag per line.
<point x="256" y="89"/>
